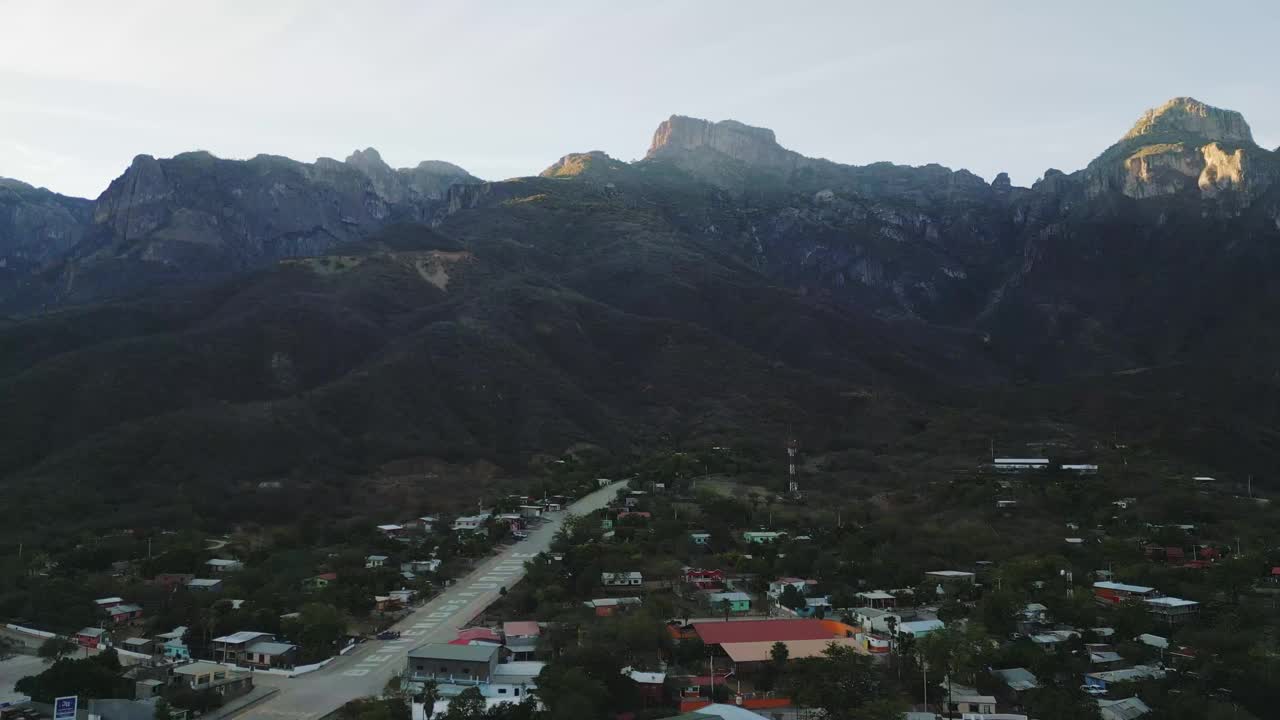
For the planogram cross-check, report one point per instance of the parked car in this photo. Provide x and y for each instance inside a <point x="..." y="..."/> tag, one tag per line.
<point x="389" y="635"/>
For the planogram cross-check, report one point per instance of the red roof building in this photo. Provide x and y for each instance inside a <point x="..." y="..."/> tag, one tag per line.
<point x="717" y="633"/>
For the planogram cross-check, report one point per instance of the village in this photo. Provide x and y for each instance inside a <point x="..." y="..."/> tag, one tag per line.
<point x="693" y="597"/>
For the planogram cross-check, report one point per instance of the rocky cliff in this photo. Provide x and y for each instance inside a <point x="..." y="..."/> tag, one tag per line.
<point x="1185" y="147"/>
<point x="36" y="226"/>
<point x="198" y="216"/>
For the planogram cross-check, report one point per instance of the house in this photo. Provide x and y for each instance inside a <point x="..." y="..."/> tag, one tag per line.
<point x="319" y="582"/>
<point x="704" y="579"/>
<point x="700" y="538"/>
<point x="90" y="637"/>
<point x="218" y="565"/>
<point x="454" y="664"/>
<point x="426" y="523"/>
<point x="972" y="703"/>
<point x="375" y="561"/>
<point x="623" y="579"/>
<point x="1126" y="709"/>
<point x="1104" y="680"/>
<point x="739" y="602"/>
<point x="386" y="603"/>
<point x="650" y="686"/>
<point x="1006" y="504"/>
<point x="605" y="607"/>
<point x="208" y="676"/>
<point x="813" y="607"/>
<point x="471" y="523"/>
<point x="521" y="637"/>
<point x="760" y="537"/>
<point x="124" y="612"/>
<point x="205" y="585"/>
<point x="531" y="511"/>
<point x="876" y="599"/>
<point x="391" y="530"/>
<point x="1172" y="610"/>
<point x="1035" y="613"/>
<point x="873" y="620"/>
<point x="779" y="586"/>
<point x="232" y="648"/>
<point x="637" y="514"/>
<point x="175" y="649"/>
<point x="1051" y="639"/>
<point x="169" y="581"/>
<point x="1113" y="593"/>
<point x="1017" y="679"/>
<point x="143" y="646"/>
<point x="269" y="653"/>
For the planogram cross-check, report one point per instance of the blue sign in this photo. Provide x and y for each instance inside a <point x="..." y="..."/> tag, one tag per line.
<point x="64" y="708"/>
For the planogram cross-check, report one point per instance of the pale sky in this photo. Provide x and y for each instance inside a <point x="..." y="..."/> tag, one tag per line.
<point x="504" y="89"/>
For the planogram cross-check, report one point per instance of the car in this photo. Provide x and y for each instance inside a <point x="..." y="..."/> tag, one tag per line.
<point x="389" y="635"/>
<point x="1093" y="690"/>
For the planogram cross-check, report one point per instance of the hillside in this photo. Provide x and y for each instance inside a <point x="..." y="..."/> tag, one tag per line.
<point x="212" y="324"/>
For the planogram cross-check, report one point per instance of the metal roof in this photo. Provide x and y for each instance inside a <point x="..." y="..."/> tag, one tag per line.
<point x="461" y="653"/>
<point x="730" y="596"/>
<point x="739" y="631"/>
<point x="1126" y="709"/>
<point x="1017" y="678"/>
<point x="796" y="649"/>
<point x="1171" y="602"/>
<point x="243" y="636"/>
<point x="270" y="648"/>
<point x="1122" y="587"/>
<point x="521" y="628"/>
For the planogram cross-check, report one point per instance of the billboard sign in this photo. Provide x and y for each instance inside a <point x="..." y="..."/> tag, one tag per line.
<point x="64" y="708"/>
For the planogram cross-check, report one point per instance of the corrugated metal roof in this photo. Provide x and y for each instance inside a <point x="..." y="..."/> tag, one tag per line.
<point x="1122" y="587"/>
<point x="462" y="653"/>
<point x="521" y="628"/>
<point x="241" y="637"/>
<point x="796" y="649"/>
<point x="716" y="633"/>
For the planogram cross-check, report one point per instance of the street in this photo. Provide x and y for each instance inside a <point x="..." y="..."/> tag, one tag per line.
<point x="365" y="670"/>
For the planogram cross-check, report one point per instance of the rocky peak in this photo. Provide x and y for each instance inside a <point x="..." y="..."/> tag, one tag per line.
<point x="595" y="163"/>
<point x="1184" y="147"/>
<point x="1186" y="116"/>
<point x="751" y="145"/>
<point x="368" y="161"/>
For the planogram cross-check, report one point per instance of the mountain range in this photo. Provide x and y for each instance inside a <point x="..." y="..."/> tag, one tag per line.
<point x="208" y="324"/>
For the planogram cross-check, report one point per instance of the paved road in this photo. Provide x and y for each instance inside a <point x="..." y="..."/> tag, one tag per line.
<point x="365" y="670"/>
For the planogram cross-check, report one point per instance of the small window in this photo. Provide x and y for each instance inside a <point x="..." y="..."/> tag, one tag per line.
<point x="444" y="669"/>
<point x="502" y="691"/>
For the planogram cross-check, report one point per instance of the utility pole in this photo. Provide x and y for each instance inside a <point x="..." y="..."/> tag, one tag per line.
<point x="924" y="666"/>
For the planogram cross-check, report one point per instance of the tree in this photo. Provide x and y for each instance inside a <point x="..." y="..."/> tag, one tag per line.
<point x="792" y="598"/>
<point x="163" y="711"/>
<point x="840" y="682"/>
<point x="94" y="677"/>
<point x="469" y="705"/>
<point x="779" y="654"/>
<point x="55" y="647"/>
